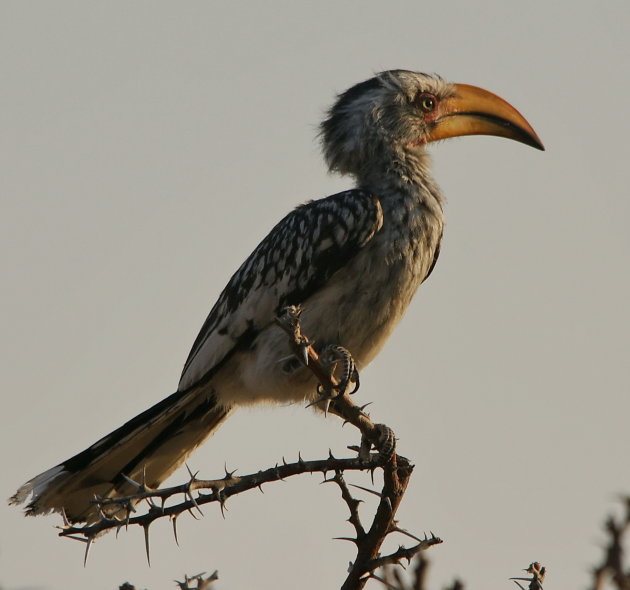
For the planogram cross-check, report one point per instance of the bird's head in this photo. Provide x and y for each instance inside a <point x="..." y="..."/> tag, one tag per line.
<point x="382" y="126"/>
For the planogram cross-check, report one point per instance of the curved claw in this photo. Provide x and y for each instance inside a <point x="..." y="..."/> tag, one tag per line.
<point x="356" y="380"/>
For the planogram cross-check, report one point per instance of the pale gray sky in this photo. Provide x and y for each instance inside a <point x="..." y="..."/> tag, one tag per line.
<point x="147" y="147"/>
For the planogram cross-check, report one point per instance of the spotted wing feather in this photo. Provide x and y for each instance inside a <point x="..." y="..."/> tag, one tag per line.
<point x="297" y="258"/>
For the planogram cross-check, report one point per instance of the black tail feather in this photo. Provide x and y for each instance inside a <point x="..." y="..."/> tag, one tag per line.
<point x="147" y="448"/>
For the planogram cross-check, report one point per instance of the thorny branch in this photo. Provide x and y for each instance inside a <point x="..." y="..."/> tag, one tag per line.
<point x="220" y="491"/>
<point x="334" y="396"/>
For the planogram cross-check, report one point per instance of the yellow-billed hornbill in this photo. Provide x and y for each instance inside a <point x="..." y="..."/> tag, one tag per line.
<point x="352" y="261"/>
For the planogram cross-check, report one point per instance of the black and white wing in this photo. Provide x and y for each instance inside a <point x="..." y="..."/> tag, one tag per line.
<point x="297" y="258"/>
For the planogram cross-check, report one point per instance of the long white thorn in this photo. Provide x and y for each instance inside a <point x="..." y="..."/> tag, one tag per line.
<point x="146" y="542"/>
<point x="87" y="550"/>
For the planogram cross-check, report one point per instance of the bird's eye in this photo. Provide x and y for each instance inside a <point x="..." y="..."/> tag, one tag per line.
<point x="427" y="102"/>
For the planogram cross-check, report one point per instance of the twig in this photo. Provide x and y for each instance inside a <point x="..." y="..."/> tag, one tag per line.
<point x="353" y="506"/>
<point x="538" y="575"/>
<point x="405" y="553"/>
<point x="201" y="582"/>
<point x="613" y="567"/>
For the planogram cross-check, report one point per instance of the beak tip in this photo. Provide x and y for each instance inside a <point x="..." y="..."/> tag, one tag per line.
<point x="531" y="139"/>
<point x="536" y="143"/>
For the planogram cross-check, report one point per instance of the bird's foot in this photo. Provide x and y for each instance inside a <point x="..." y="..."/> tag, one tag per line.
<point x="386" y="444"/>
<point x="339" y="362"/>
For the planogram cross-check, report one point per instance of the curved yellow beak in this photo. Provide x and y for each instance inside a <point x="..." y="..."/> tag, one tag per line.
<point x="475" y="111"/>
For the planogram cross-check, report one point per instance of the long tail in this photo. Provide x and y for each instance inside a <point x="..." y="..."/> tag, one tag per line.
<point x="150" y="447"/>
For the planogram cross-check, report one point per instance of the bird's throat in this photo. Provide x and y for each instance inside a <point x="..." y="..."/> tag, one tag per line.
<point x="406" y="172"/>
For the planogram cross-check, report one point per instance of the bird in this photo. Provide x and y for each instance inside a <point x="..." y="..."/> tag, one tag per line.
<point x="352" y="262"/>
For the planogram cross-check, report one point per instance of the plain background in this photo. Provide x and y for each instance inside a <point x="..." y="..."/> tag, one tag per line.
<point x="147" y="147"/>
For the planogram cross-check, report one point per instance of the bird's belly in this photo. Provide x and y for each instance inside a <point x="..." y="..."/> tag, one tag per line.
<point x="367" y="309"/>
<point x="358" y="309"/>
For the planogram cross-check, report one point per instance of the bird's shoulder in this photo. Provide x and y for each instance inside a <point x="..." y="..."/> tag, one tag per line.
<point x="293" y="261"/>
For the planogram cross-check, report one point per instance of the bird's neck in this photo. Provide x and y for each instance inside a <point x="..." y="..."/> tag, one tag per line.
<point x="408" y="174"/>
